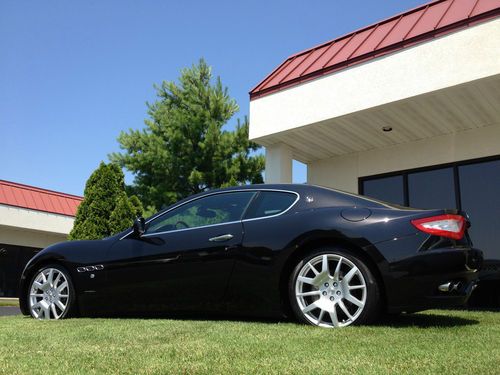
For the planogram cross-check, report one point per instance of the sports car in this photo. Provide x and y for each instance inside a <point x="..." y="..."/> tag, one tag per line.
<point x="325" y="257"/>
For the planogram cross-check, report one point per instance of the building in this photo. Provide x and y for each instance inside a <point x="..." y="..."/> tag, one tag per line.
<point x="406" y="110"/>
<point x="30" y="220"/>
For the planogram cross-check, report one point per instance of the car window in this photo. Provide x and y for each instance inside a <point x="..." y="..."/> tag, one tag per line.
<point x="270" y="203"/>
<point x="214" y="209"/>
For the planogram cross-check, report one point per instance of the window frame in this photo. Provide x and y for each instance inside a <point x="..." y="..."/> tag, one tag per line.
<point x="273" y="215"/>
<point x="405" y="172"/>
<point x="178" y="205"/>
<point x="201" y="226"/>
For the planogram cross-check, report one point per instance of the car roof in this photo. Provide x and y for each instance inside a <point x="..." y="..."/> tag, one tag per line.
<point x="323" y="196"/>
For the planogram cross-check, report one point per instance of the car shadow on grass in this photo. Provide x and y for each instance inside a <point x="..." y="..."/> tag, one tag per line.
<point x="424" y="320"/>
<point x="418" y="320"/>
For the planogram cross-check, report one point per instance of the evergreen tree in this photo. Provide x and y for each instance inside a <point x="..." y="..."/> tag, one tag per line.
<point x="122" y="216"/>
<point x="96" y="217"/>
<point x="183" y="149"/>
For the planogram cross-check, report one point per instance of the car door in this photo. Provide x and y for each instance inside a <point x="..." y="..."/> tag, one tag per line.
<point x="181" y="262"/>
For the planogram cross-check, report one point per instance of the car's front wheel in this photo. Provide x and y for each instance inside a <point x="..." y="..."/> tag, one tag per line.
<point x="332" y="287"/>
<point x="51" y="294"/>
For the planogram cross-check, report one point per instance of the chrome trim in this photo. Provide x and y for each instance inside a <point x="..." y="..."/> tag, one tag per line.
<point x="211" y="225"/>
<point x="184" y="229"/>
<point x="279" y="214"/>
<point x="224" y="237"/>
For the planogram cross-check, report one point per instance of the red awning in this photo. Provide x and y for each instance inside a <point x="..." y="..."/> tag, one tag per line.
<point x="414" y="26"/>
<point x="33" y="198"/>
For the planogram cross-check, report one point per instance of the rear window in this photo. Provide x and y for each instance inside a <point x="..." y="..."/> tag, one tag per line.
<point x="269" y="203"/>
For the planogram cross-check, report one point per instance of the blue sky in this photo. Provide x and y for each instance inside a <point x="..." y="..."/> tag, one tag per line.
<point x="73" y="74"/>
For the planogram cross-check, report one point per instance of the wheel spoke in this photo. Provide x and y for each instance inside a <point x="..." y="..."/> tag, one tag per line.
<point x="337" y="270"/>
<point x="50" y="277"/>
<point x="333" y="316"/>
<point x="311" y="293"/>
<point x="320" y="318"/>
<point x="353" y="287"/>
<point x="62" y="286"/>
<point x="344" y="309"/>
<point x="310" y="307"/>
<point x="324" y="265"/>
<point x="313" y="269"/>
<point x="306" y="280"/>
<point x="354" y="300"/>
<point x="54" y="311"/>
<point x="36" y="295"/>
<point x="46" y="312"/>
<point x="349" y="275"/>
<point x="60" y="305"/>
<point x="58" y="277"/>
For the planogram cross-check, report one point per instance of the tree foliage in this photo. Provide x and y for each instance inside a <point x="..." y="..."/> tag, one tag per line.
<point x="105" y="209"/>
<point x="183" y="148"/>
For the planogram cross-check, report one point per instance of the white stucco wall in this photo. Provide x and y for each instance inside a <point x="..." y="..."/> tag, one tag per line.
<point x="343" y="172"/>
<point x="19" y="226"/>
<point x="453" y="59"/>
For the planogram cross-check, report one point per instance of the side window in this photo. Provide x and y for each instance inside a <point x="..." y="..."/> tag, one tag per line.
<point x="214" y="209"/>
<point x="270" y="203"/>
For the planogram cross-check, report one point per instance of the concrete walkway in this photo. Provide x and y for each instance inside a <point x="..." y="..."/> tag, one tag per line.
<point x="9" y="310"/>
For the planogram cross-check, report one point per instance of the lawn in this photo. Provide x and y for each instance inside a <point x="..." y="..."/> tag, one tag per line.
<point x="434" y="342"/>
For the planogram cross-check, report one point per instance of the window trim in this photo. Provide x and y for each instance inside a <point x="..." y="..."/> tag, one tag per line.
<point x="218" y="224"/>
<point x="405" y="172"/>
<point x="275" y="215"/>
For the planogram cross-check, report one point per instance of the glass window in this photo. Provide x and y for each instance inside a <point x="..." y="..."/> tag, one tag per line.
<point x="479" y="190"/>
<point x="432" y="189"/>
<point x="214" y="209"/>
<point x="270" y="203"/>
<point x="388" y="189"/>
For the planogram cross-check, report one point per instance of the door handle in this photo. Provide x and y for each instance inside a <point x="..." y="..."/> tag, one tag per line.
<point x="3" y="251"/>
<point x="224" y="237"/>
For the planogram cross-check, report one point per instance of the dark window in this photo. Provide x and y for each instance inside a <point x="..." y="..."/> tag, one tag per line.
<point x="270" y="203"/>
<point x="480" y="196"/>
<point x="214" y="209"/>
<point x="13" y="259"/>
<point x="388" y="189"/>
<point x="432" y="189"/>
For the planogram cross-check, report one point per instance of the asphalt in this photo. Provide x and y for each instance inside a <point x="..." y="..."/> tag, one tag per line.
<point x="9" y="310"/>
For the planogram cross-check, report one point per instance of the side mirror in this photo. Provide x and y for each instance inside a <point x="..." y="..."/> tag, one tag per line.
<point x="139" y="226"/>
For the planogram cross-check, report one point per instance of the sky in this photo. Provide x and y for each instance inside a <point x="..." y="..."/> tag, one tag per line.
<point x="73" y="74"/>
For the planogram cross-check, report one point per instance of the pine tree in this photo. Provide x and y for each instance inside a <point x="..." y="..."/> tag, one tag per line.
<point x="183" y="149"/>
<point x="122" y="216"/>
<point x="96" y="217"/>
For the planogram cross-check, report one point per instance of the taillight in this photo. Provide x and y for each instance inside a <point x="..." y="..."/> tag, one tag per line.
<point x="451" y="226"/>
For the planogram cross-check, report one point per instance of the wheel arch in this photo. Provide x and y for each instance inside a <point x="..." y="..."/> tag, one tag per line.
<point x="310" y="244"/>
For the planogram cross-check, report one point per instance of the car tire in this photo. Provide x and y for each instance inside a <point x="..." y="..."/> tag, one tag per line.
<point x="333" y="287"/>
<point x="51" y="294"/>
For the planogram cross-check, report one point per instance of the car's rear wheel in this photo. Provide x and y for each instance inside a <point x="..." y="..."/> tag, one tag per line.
<point x="331" y="287"/>
<point x="51" y="294"/>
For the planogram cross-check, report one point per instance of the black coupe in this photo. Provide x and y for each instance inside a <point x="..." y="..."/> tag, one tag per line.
<point x="327" y="257"/>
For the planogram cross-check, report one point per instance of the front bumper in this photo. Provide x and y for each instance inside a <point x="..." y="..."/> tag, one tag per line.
<point x="412" y="284"/>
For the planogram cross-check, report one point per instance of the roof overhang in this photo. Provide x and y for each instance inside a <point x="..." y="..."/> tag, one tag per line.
<point x="444" y="85"/>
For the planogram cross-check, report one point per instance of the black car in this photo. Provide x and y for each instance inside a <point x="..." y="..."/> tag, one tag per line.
<point x="327" y="257"/>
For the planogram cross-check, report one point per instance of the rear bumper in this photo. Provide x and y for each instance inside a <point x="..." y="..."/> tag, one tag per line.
<point x="412" y="284"/>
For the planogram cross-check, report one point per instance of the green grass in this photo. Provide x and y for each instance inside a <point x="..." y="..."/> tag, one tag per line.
<point x="435" y="342"/>
<point x="8" y="302"/>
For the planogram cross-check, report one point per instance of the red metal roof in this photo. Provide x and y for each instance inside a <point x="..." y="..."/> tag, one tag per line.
<point x="414" y="26"/>
<point x="33" y="198"/>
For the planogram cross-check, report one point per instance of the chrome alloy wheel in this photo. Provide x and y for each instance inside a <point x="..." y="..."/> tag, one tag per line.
<point x="49" y="294"/>
<point x="330" y="291"/>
